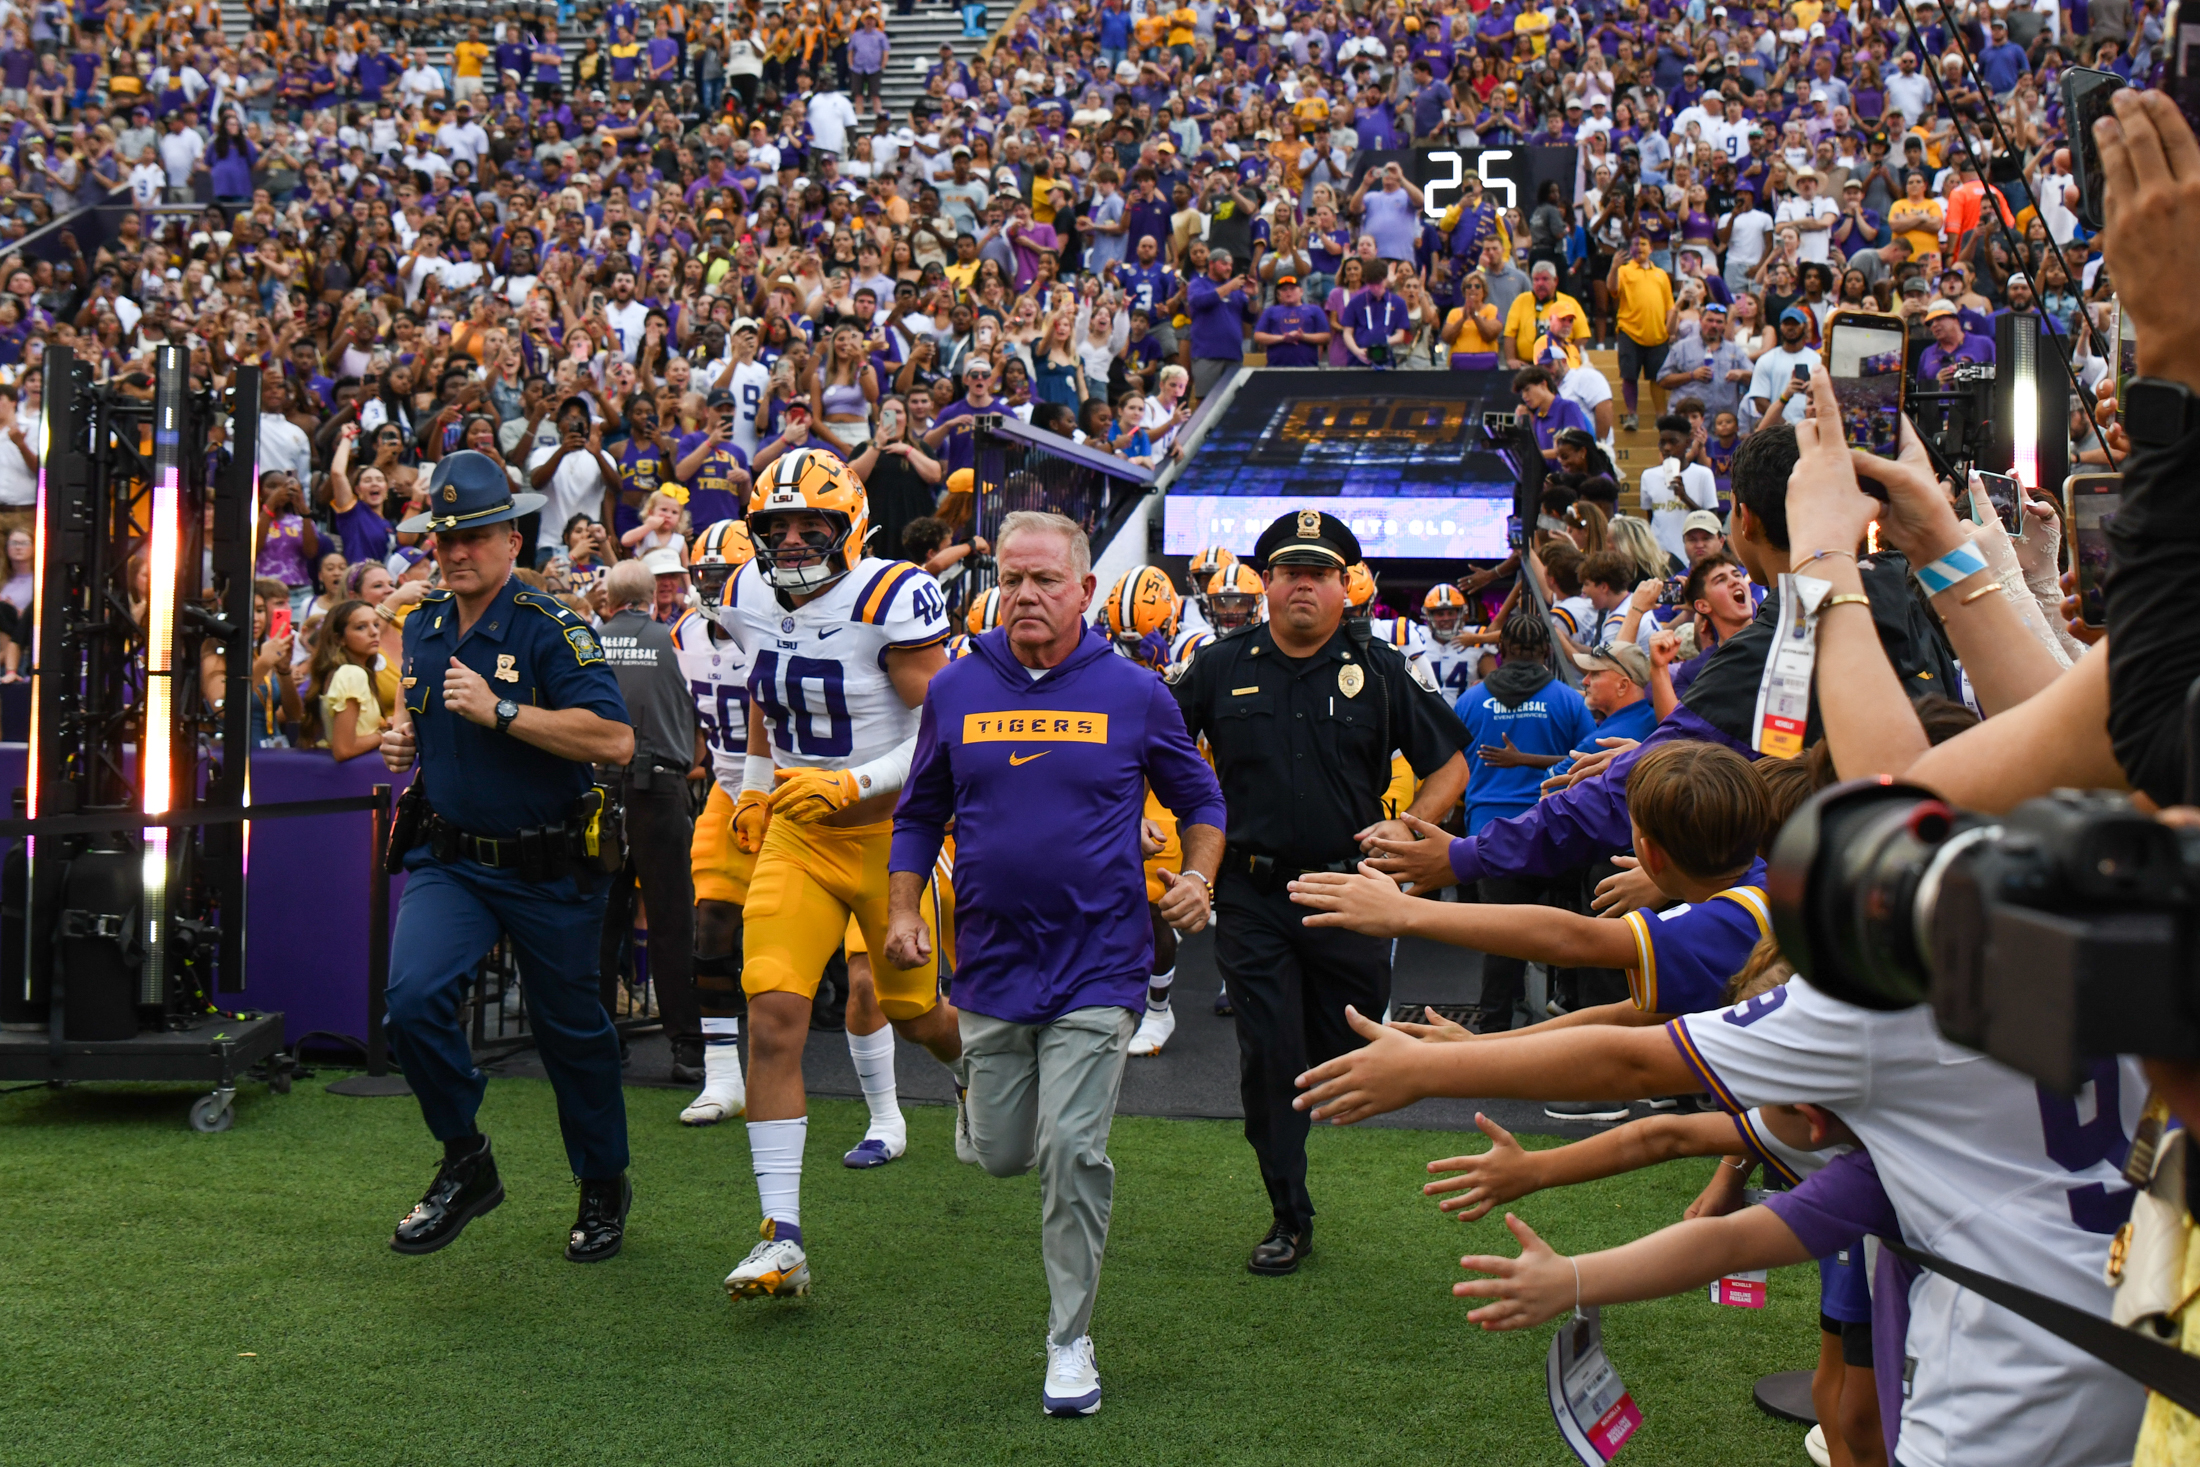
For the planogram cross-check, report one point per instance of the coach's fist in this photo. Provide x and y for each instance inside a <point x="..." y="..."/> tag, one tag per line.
<point x="1184" y="904"/>
<point x="908" y="945"/>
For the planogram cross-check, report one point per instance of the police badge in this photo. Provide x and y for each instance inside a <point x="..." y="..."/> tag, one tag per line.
<point x="1350" y="679"/>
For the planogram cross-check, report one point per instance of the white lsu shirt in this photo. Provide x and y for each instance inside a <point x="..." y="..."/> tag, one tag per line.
<point x="1986" y="1169"/>
<point x="818" y="671"/>
<point x="1454" y="664"/>
<point x="717" y="673"/>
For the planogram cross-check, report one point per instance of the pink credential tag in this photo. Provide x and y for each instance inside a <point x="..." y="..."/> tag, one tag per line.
<point x="1595" y="1414"/>
<point x="1740" y="1290"/>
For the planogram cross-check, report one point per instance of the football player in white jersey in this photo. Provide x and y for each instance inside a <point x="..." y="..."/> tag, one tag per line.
<point x="1984" y="1168"/>
<point x="841" y="650"/>
<point x="717" y="673"/>
<point x="1452" y="656"/>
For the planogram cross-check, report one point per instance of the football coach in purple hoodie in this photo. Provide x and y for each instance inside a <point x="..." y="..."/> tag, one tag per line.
<point x="1040" y="746"/>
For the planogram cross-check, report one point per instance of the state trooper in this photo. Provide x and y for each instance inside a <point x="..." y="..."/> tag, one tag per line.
<point x="506" y="704"/>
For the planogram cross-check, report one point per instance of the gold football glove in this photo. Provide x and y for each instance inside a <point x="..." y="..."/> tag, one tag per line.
<point x="813" y="794"/>
<point x="751" y="813"/>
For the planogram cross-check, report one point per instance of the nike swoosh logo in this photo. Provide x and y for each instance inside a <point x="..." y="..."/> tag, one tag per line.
<point x="1027" y="758"/>
<point x="832" y="632"/>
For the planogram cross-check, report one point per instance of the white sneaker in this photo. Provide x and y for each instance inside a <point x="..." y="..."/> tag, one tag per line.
<point x="1814" y="1447"/>
<point x="1154" y="1030"/>
<point x="966" y="1149"/>
<point x="775" y="1268"/>
<point x="725" y="1094"/>
<point x="1073" y="1379"/>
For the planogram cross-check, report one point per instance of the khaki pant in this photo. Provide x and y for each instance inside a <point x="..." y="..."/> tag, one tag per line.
<point x="1043" y="1095"/>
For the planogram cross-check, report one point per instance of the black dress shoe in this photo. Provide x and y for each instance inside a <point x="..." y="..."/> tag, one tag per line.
<point x="687" y="1061"/>
<point x="465" y="1187"/>
<point x="1282" y="1251"/>
<point x="601" y="1226"/>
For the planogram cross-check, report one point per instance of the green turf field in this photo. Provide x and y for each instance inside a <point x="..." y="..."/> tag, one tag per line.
<point x="173" y="1297"/>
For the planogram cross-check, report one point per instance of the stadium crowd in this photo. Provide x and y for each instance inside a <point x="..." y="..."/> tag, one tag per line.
<point x="640" y="259"/>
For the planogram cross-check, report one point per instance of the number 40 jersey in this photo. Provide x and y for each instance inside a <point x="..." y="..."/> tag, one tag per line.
<point x="818" y="671"/>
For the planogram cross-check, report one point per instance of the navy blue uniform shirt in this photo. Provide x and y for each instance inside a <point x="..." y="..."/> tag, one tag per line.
<point x="532" y="651"/>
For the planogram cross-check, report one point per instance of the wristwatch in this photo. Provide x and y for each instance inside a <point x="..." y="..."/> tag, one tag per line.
<point x="2158" y="412"/>
<point x="507" y="710"/>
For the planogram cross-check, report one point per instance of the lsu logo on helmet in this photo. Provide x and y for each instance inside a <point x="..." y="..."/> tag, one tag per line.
<point x="723" y="548"/>
<point x="985" y="612"/>
<point x="1141" y="614"/>
<point x="1203" y="568"/>
<point x="811" y="481"/>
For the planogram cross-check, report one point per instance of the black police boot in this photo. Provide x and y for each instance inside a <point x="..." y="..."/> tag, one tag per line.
<point x="465" y="1187"/>
<point x="601" y="1226"/>
<point x="687" y="1061"/>
<point x="1282" y="1251"/>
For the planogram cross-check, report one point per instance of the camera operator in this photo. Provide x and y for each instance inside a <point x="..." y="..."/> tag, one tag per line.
<point x="1951" y="347"/>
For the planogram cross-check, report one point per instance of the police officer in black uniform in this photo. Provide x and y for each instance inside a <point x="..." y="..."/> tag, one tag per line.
<point x="507" y="702"/>
<point x="1302" y="714"/>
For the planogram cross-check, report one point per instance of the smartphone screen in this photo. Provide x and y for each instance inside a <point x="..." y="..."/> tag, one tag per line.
<point x="2092" y="500"/>
<point x="1864" y="357"/>
<point x="2006" y="496"/>
<point x="2086" y="94"/>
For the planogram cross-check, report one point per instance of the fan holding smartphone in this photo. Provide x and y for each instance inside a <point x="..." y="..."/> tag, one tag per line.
<point x="1864" y="357"/>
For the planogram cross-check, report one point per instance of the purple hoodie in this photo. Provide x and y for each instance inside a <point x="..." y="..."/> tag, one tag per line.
<point x="1046" y="782"/>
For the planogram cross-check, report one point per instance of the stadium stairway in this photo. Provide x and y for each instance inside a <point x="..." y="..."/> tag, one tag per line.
<point x="1636" y="451"/>
<point x="917" y="38"/>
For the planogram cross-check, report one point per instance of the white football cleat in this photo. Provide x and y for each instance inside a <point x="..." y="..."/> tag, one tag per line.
<point x="725" y="1094"/>
<point x="776" y="1268"/>
<point x="1814" y="1447"/>
<point x="1073" y="1379"/>
<point x="1154" y="1030"/>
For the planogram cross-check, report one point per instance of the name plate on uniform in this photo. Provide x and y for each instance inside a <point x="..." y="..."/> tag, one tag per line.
<point x="1035" y="725"/>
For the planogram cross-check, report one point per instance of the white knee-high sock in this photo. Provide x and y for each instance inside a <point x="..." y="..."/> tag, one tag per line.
<point x="1159" y="983"/>
<point x="721" y="1055"/>
<point x="776" y="1150"/>
<point x="874" y="1057"/>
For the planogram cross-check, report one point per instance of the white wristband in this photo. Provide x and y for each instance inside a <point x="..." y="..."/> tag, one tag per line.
<point x="756" y="773"/>
<point x="889" y="771"/>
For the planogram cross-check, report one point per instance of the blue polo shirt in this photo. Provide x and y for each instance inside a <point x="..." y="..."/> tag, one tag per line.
<point x="1058" y="765"/>
<point x="531" y="650"/>
<point x="1975" y="349"/>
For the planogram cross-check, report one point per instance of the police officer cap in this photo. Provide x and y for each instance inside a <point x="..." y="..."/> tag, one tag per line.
<point x="1307" y="537"/>
<point x="469" y="489"/>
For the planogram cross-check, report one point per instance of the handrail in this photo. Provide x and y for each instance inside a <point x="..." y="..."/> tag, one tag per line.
<point x="1023" y="8"/>
<point x="1008" y="425"/>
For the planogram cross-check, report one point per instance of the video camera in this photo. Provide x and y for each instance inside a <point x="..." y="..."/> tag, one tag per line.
<point x="2066" y="930"/>
<point x="1955" y="420"/>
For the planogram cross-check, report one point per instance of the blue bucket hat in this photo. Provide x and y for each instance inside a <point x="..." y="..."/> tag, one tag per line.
<point x="469" y="490"/>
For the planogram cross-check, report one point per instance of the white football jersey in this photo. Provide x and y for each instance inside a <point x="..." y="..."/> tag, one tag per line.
<point x="1406" y="634"/>
<point x="1454" y="664"/>
<point x="818" y="671"/>
<point x="1986" y="1169"/>
<point x="1188" y="641"/>
<point x="1192" y="617"/>
<point x="717" y="673"/>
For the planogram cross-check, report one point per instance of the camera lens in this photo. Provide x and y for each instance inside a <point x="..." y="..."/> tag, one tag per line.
<point x="1853" y="883"/>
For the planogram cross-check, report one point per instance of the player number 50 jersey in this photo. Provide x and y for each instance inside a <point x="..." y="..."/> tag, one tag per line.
<point x="818" y="671"/>
<point x="717" y="673"/>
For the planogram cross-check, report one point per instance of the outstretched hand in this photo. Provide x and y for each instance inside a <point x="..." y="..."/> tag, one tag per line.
<point x="1500" y="1174"/>
<point x="1364" y="901"/>
<point x="1438" y="1029"/>
<point x="1423" y="858"/>
<point x="1374" y="1080"/>
<point x="1538" y="1285"/>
